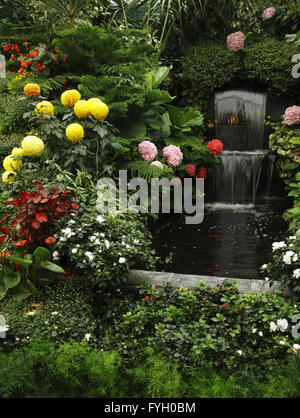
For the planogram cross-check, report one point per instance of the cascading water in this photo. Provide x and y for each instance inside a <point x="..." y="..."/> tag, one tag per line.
<point x="237" y="178"/>
<point x="240" y="117"/>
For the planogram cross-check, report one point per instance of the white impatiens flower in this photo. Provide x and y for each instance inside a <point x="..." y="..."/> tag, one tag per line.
<point x="290" y="256"/>
<point x="89" y="255"/>
<point x="74" y="250"/>
<point x="100" y="219"/>
<point x="264" y="266"/>
<point x="282" y="324"/>
<point x="67" y="233"/>
<point x="239" y="352"/>
<point x="55" y="256"/>
<point x="273" y="327"/>
<point x="296" y="346"/>
<point x="93" y="238"/>
<point x="87" y="337"/>
<point x="107" y="243"/>
<point x="296" y="274"/>
<point x="254" y="330"/>
<point x="260" y="333"/>
<point x="54" y="313"/>
<point x="122" y="260"/>
<point x="278" y="245"/>
<point x="282" y="342"/>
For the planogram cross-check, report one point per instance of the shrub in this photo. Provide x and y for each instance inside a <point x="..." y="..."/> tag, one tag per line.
<point x="103" y="248"/>
<point x="11" y="113"/>
<point x="36" y="213"/>
<point x="285" y="141"/>
<point x="284" y="266"/>
<point x="8" y="142"/>
<point x="207" y="67"/>
<point x="217" y="325"/>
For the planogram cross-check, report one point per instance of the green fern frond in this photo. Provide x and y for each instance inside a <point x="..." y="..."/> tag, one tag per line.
<point x="147" y="171"/>
<point x="46" y="84"/>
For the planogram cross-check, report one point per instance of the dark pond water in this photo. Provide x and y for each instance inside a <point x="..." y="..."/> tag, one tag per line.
<point x="232" y="241"/>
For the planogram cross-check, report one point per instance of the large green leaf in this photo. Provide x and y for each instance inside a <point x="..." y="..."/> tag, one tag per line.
<point x="51" y="267"/>
<point x="24" y="263"/>
<point x="11" y="280"/>
<point x="180" y="139"/>
<point x="2" y="287"/>
<point x="166" y="125"/>
<point x="185" y="118"/>
<point x="20" y="292"/>
<point x="158" y="97"/>
<point x="156" y="76"/>
<point x="42" y="254"/>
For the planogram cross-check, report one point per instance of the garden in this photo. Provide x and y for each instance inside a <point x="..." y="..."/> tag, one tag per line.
<point x="102" y="101"/>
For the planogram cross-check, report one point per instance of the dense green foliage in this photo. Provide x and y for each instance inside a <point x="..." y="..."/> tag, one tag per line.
<point x="285" y="141"/>
<point x="216" y="325"/>
<point x="63" y="312"/>
<point x="42" y="370"/>
<point x="267" y="62"/>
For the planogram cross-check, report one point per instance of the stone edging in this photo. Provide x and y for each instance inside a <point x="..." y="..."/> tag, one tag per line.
<point x="160" y="279"/>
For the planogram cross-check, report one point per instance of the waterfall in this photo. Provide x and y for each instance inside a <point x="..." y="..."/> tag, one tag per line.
<point x="239" y="122"/>
<point x="237" y="178"/>
<point x="240" y="119"/>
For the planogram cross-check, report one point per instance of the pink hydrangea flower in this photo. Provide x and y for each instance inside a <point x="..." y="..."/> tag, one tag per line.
<point x="268" y="13"/>
<point x="173" y="155"/>
<point x="157" y="164"/>
<point x="147" y="150"/>
<point x="292" y="115"/>
<point x="176" y="181"/>
<point x="236" y="41"/>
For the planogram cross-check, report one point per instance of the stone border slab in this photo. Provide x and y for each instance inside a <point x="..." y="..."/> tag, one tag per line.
<point x="160" y="279"/>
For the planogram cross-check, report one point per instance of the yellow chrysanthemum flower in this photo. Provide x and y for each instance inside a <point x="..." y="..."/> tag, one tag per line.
<point x="94" y="100"/>
<point x="82" y="109"/>
<point x="10" y="163"/>
<point x="17" y="152"/>
<point x="32" y="89"/>
<point x="75" y="132"/>
<point x="44" y="108"/>
<point x="70" y="97"/>
<point x="8" y="176"/>
<point x="32" y="146"/>
<point x="99" y="110"/>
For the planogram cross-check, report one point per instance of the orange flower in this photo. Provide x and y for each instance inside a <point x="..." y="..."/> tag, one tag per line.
<point x="20" y="243"/>
<point x="32" y="89"/>
<point x="50" y="240"/>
